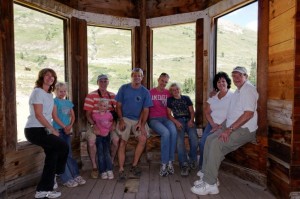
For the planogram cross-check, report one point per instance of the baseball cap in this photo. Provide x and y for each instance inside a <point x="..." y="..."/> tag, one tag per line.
<point x="240" y="69"/>
<point x="102" y="76"/>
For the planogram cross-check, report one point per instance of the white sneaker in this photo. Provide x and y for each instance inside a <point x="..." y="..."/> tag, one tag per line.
<point x="71" y="184"/>
<point x="110" y="175"/>
<point x="200" y="174"/>
<point x="204" y="189"/>
<point x="198" y="182"/>
<point x="48" y="194"/>
<point x="55" y="186"/>
<point x="79" y="180"/>
<point x="104" y="176"/>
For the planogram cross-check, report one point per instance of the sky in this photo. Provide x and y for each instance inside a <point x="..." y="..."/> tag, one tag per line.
<point x="245" y="17"/>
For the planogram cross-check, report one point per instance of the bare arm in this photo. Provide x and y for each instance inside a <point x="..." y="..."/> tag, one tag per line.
<point x="244" y="118"/>
<point x="122" y="124"/>
<point x="207" y="112"/>
<point x="192" y="114"/>
<point x="177" y="124"/>
<point x="56" y="118"/>
<point x="89" y="118"/>
<point x="38" y="111"/>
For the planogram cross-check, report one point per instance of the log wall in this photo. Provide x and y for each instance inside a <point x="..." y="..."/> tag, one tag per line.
<point x="283" y="169"/>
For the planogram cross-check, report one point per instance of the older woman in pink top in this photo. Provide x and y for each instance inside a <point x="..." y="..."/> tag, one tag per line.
<point x="159" y="122"/>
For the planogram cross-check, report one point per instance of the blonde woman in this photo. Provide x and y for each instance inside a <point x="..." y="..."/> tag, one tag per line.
<point x="181" y="112"/>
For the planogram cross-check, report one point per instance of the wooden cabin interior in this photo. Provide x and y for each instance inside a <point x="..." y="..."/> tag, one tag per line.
<point x="272" y="162"/>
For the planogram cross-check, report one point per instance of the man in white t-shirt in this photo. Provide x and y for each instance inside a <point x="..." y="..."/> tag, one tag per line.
<point x="239" y="129"/>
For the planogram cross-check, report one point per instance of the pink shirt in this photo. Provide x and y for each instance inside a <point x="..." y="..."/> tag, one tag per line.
<point x="159" y="99"/>
<point x="103" y="122"/>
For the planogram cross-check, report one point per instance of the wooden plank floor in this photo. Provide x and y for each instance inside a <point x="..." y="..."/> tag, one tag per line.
<point x="152" y="186"/>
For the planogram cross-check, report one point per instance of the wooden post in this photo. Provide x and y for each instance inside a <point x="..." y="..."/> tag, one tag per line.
<point x="262" y="63"/>
<point x="143" y="39"/>
<point x="199" y="72"/>
<point x="8" y="135"/>
<point x="78" y="77"/>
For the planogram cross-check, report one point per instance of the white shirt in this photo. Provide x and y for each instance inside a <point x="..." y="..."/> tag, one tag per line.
<point x="244" y="99"/>
<point x="39" y="96"/>
<point x="219" y="107"/>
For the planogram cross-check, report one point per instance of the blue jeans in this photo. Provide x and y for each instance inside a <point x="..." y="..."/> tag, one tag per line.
<point x="167" y="130"/>
<point x="56" y="151"/>
<point x="202" y="143"/>
<point x="71" y="170"/>
<point x="193" y="141"/>
<point x="103" y="150"/>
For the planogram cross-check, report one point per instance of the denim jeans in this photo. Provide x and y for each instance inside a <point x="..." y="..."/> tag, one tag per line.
<point x="56" y="151"/>
<point x="202" y="143"/>
<point x="193" y="141"/>
<point x="103" y="151"/>
<point x="71" y="170"/>
<point x="167" y="130"/>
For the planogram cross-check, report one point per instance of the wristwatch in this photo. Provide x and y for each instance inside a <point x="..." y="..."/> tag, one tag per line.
<point x="231" y="128"/>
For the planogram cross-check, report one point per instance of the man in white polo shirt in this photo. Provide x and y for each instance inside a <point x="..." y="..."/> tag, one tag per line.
<point x="239" y="129"/>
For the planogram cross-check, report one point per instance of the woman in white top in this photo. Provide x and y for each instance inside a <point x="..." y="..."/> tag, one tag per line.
<point x="216" y="108"/>
<point x="39" y="131"/>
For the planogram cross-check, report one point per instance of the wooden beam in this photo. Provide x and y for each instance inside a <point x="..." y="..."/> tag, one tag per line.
<point x="8" y="135"/>
<point x="143" y="40"/>
<point x="262" y="64"/>
<point x="135" y="49"/>
<point x="199" y="71"/>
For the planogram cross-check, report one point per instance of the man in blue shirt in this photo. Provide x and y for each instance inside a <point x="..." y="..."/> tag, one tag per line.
<point x="133" y="102"/>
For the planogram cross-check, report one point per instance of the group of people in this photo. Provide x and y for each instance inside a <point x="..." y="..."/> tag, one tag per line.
<point x="232" y="122"/>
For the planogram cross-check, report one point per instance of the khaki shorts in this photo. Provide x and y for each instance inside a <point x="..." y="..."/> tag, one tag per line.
<point x="130" y="127"/>
<point x="90" y="135"/>
<point x="114" y="134"/>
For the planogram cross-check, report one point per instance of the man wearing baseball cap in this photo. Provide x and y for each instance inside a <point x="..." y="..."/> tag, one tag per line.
<point x="91" y="106"/>
<point x="238" y="129"/>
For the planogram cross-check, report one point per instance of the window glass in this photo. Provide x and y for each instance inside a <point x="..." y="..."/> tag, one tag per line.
<point x="109" y="52"/>
<point x="174" y="53"/>
<point x="39" y="43"/>
<point x="237" y="41"/>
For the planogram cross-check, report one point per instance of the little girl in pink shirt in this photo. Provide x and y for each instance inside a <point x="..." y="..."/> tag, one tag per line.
<point x="105" y="124"/>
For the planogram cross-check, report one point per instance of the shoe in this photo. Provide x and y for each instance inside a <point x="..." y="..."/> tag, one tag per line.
<point x="48" y="194"/>
<point x="198" y="182"/>
<point x="136" y="171"/>
<point x="104" y="176"/>
<point x="71" y="184"/>
<point x="163" y="171"/>
<point x="94" y="173"/>
<point x="122" y="176"/>
<point x="200" y="174"/>
<point x="55" y="186"/>
<point x="193" y="165"/>
<point x="204" y="189"/>
<point x="80" y="180"/>
<point x="110" y="175"/>
<point x="185" y="170"/>
<point x="170" y="168"/>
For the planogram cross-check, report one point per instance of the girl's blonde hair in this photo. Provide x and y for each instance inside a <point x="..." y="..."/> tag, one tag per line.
<point x="174" y="85"/>
<point x="103" y="100"/>
<point x="58" y="86"/>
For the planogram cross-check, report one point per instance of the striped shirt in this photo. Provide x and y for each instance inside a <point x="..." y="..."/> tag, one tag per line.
<point x="92" y="99"/>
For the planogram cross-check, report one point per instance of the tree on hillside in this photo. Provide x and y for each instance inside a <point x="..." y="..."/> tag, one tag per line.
<point x="252" y="76"/>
